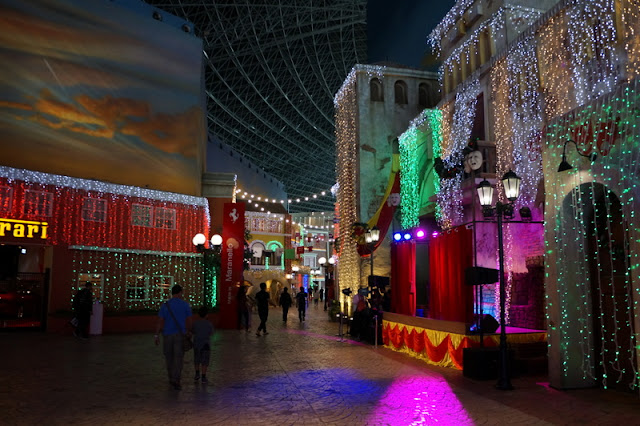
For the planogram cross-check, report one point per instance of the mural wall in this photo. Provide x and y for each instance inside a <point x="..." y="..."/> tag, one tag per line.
<point x="92" y="89"/>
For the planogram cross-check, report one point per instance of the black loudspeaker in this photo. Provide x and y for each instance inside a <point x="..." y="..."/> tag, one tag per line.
<point x="485" y="322"/>
<point x="480" y="363"/>
<point x="477" y="275"/>
<point x="483" y="363"/>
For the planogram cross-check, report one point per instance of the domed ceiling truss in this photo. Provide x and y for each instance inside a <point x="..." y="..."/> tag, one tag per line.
<point x="272" y="70"/>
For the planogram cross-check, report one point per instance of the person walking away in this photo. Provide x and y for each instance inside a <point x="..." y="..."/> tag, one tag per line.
<point x="262" y="300"/>
<point x="202" y="331"/>
<point x="82" y="307"/>
<point x="329" y="296"/>
<point x="315" y="297"/>
<point x="285" y="302"/>
<point x="301" y="300"/>
<point x="174" y="321"/>
<point x="321" y="292"/>
<point x="243" y="308"/>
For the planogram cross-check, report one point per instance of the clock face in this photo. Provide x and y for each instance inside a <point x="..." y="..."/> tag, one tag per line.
<point x="474" y="160"/>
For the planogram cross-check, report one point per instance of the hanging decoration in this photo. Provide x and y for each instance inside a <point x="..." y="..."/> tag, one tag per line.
<point x="346" y="119"/>
<point x="139" y="257"/>
<point x="592" y="37"/>
<point x="592" y="220"/>
<point x="450" y="193"/>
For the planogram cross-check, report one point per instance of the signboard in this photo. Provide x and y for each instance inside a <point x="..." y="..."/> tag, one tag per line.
<point x="231" y="262"/>
<point x="27" y="229"/>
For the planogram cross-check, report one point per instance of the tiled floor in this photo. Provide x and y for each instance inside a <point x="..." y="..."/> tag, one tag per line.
<point x="297" y="375"/>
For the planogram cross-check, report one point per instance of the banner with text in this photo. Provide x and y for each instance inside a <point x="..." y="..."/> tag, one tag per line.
<point x="231" y="262"/>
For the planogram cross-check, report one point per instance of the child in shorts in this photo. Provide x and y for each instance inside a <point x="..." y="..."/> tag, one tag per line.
<point x="202" y="331"/>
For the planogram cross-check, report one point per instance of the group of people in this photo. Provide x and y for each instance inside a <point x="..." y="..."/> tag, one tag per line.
<point x="176" y="322"/>
<point x="301" y="302"/>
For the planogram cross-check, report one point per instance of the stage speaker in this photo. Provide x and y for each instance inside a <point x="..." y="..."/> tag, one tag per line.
<point x="477" y="275"/>
<point x="483" y="363"/>
<point x="484" y="322"/>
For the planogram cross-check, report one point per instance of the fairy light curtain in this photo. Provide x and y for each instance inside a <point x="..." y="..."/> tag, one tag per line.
<point x="449" y="196"/>
<point x="413" y="144"/>
<point x="138" y="262"/>
<point x="347" y="139"/>
<point x="592" y="37"/>
<point x="592" y="239"/>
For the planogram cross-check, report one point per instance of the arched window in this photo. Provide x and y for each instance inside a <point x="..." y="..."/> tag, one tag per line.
<point x="423" y="95"/>
<point x="375" y="89"/>
<point x="400" y="90"/>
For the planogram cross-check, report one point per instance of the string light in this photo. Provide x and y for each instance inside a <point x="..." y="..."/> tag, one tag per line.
<point x="449" y="196"/>
<point x="426" y="125"/>
<point x="156" y="254"/>
<point x="345" y="103"/>
<point x="615" y="122"/>
<point x="553" y="73"/>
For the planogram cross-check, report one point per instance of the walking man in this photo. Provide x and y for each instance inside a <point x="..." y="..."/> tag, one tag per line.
<point x="82" y="306"/>
<point x="301" y="300"/>
<point x="174" y="321"/>
<point x="285" y="302"/>
<point x="262" y="300"/>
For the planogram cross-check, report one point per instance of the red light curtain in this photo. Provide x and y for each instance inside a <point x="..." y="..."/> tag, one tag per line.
<point x="403" y="278"/>
<point x="450" y="254"/>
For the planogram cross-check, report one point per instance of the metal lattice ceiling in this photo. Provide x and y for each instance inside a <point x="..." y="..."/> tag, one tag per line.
<point x="272" y="70"/>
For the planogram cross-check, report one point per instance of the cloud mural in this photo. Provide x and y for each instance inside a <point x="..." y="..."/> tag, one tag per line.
<point x="92" y="89"/>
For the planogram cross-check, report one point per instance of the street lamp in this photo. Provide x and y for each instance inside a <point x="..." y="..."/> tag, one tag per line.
<point x="371" y="237"/>
<point x="210" y="263"/>
<point x="511" y="184"/>
<point x="326" y="264"/>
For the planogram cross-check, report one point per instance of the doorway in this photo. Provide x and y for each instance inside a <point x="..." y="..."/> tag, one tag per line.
<point x="607" y="254"/>
<point x="23" y="287"/>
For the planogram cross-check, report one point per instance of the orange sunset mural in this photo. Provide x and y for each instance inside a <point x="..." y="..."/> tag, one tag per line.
<point x="96" y="90"/>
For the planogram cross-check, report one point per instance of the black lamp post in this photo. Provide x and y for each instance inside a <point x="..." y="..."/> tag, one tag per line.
<point x="210" y="263"/>
<point x="326" y="264"/>
<point x="511" y="183"/>
<point x="371" y="237"/>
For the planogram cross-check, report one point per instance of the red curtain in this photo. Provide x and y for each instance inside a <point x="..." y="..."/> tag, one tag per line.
<point x="403" y="278"/>
<point x="450" y="254"/>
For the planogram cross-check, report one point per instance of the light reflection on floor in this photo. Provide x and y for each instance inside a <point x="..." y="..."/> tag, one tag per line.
<point x="419" y="401"/>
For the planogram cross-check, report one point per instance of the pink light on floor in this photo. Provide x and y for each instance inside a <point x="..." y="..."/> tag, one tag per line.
<point x="419" y="401"/>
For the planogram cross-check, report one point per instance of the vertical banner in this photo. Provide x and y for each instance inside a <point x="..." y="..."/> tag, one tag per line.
<point x="231" y="263"/>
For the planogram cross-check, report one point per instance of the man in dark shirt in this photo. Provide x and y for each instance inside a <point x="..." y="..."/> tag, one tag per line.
<point x="301" y="299"/>
<point x="262" y="300"/>
<point x="285" y="302"/>
<point x="82" y="306"/>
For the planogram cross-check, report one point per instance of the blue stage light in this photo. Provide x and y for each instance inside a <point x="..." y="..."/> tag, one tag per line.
<point x="407" y="236"/>
<point x="397" y="236"/>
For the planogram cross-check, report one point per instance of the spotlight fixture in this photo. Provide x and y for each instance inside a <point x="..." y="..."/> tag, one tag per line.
<point x="420" y="233"/>
<point x="406" y="236"/>
<point x="397" y="236"/>
<point x="564" y="164"/>
<point x="525" y="213"/>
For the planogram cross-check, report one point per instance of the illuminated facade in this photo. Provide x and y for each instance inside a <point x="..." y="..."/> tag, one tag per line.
<point x="131" y="243"/>
<point x="566" y="79"/>
<point x="373" y="107"/>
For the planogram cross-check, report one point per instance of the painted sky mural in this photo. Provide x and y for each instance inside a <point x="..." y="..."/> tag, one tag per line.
<point x="95" y="90"/>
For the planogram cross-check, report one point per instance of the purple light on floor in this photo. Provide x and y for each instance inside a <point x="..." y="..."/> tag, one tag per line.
<point x="420" y="233"/>
<point x="419" y="401"/>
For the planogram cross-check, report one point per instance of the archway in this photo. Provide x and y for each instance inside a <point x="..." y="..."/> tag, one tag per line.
<point x="597" y="214"/>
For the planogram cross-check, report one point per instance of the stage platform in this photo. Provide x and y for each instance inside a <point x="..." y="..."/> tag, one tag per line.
<point x="442" y="342"/>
